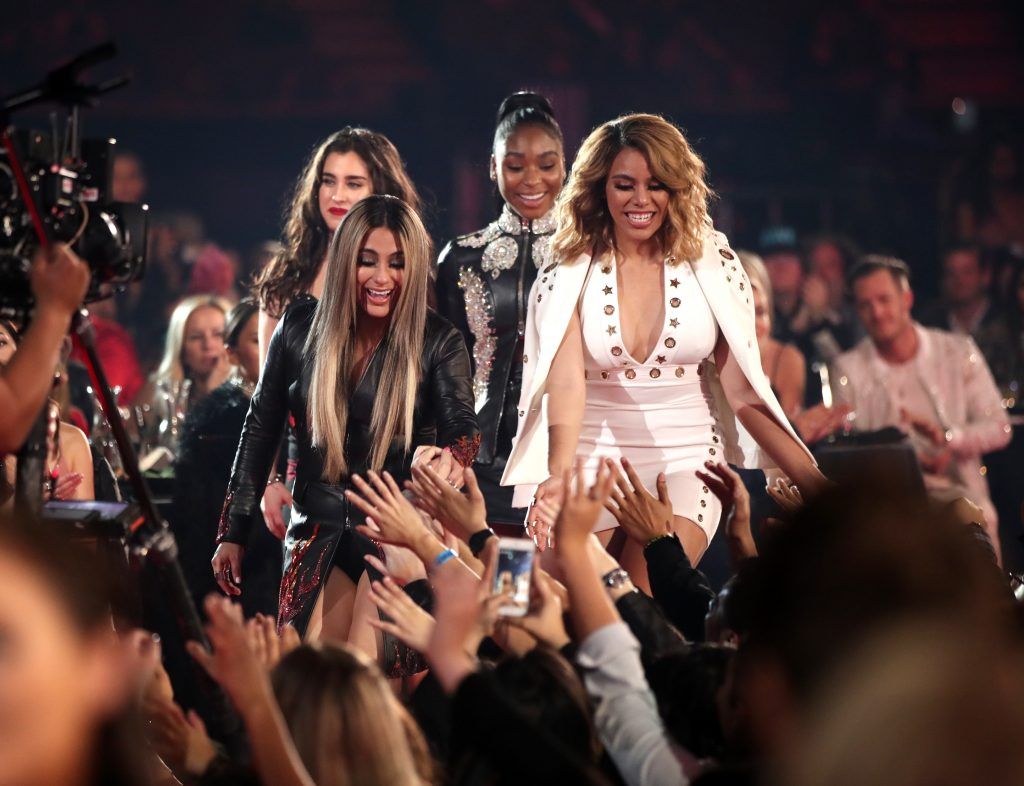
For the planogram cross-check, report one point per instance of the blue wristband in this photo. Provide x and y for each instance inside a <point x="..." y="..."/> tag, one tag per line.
<point x="443" y="557"/>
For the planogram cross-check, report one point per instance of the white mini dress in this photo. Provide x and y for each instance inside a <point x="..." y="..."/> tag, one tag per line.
<point x="658" y="412"/>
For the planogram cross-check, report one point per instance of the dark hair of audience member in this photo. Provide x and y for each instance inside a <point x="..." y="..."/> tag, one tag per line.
<point x="238" y="318"/>
<point x="65" y="702"/>
<point x="686" y="685"/>
<point x="347" y="724"/>
<point x="853" y="561"/>
<point x="547" y="691"/>
<point x="872" y="263"/>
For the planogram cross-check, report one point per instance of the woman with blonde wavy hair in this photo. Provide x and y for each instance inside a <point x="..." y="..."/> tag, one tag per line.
<point x="640" y="347"/>
<point x="373" y="381"/>
<point x="194" y="363"/>
<point x="347" y="724"/>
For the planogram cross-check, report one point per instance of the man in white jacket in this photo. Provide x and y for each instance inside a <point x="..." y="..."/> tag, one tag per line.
<point x="933" y="384"/>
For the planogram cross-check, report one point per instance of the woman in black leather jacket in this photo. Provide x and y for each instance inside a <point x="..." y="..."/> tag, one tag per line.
<point x="484" y="280"/>
<point x="373" y="380"/>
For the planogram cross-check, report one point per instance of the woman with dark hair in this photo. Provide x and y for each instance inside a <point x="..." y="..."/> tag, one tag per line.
<point x="349" y="165"/>
<point x="66" y="683"/>
<point x="373" y="381"/>
<point x="484" y="279"/>
<point x="640" y="344"/>
<point x="203" y="466"/>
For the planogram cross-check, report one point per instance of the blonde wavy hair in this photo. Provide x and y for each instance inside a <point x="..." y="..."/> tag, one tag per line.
<point x="171" y="368"/>
<point x="347" y="725"/>
<point x="584" y="225"/>
<point x="332" y="338"/>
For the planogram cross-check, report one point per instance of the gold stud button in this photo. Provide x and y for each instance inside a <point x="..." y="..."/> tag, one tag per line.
<point x="727" y="253"/>
<point x="655" y="373"/>
<point x="700" y="517"/>
<point x="616" y="351"/>
<point x="670" y="342"/>
<point x="680" y="371"/>
<point x="609" y="310"/>
<point x="703" y="503"/>
<point x="674" y="302"/>
<point x="630" y="373"/>
<point x="604" y="375"/>
<point x="711" y="451"/>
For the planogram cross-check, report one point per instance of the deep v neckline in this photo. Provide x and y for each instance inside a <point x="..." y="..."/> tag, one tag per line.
<point x="618" y="314"/>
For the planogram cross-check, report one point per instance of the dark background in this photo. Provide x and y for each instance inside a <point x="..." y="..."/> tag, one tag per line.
<point x="824" y="116"/>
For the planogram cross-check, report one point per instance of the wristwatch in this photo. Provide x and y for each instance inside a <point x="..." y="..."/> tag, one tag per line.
<point x="614" y="579"/>
<point x="478" y="540"/>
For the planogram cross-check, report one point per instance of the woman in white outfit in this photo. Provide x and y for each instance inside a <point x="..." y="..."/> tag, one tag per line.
<point x="640" y="341"/>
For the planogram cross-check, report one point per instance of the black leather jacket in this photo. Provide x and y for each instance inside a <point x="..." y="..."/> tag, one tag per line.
<point x="483" y="283"/>
<point x="443" y="414"/>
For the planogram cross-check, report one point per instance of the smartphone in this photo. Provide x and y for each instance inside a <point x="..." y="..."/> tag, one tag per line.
<point x="513" y="576"/>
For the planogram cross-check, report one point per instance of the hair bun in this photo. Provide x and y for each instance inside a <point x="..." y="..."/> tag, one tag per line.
<point x="526" y="101"/>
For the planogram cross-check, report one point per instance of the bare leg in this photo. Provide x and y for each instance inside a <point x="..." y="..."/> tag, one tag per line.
<point x="332" y="613"/>
<point x="361" y="635"/>
<point x="694" y="541"/>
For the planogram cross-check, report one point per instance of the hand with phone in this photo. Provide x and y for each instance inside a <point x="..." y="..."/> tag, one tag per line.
<point x="512" y="575"/>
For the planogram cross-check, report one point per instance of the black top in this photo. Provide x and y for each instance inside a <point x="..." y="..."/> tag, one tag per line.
<point x="443" y="413"/>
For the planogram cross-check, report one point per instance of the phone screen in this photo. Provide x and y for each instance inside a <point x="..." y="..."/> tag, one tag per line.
<point x="515" y="566"/>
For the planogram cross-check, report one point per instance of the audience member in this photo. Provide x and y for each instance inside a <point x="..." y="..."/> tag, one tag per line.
<point x="964" y="306"/>
<point x="783" y="363"/>
<point x="128" y="183"/>
<point x="195" y="363"/>
<point x="933" y="384"/>
<point x="66" y="682"/>
<point x="202" y="467"/>
<point x="781" y="256"/>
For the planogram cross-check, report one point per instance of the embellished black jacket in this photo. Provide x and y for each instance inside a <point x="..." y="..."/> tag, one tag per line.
<point x="483" y="283"/>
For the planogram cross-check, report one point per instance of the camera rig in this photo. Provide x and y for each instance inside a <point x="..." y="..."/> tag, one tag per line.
<point x="55" y="188"/>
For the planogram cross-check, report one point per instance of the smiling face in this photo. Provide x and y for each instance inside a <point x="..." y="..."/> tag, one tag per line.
<point x="202" y="350"/>
<point x="529" y="168"/>
<point x="379" y="273"/>
<point x="637" y="202"/>
<point x="344" y="181"/>
<point x="883" y="305"/>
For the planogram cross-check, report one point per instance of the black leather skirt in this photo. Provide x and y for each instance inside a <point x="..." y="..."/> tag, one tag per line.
<point x="321" y="535"/>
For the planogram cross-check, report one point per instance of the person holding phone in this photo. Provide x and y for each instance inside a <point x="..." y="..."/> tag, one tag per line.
<point x="640" y="341"/>
<point x="374" y="380"/>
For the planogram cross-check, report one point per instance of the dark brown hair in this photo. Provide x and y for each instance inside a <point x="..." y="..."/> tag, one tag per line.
<point x="306" y="236"/>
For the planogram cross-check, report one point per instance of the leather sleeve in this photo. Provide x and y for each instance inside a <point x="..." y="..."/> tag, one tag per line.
<point x="261" y="435"/>
<point x="682" y="591"/>
<point x="451" y="382"/>
<point x="451" y="303"/>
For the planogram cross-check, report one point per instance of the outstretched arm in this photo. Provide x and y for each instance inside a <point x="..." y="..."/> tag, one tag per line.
<point x="758" y="420"/>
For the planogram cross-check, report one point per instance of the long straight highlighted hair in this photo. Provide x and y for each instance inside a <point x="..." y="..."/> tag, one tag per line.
<point x="332" y="338"/>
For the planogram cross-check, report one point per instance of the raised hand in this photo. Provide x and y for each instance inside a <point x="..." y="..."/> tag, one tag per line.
<point x="545" y="620"/>
<point x="391" y="518"/>
<point x="580" y="507"/>
<point x="180" y="740"/>
<point x="267" y="644"/>
<point x="787" y="495"/>
<point x="231" y="662"/>
<point x="641" y="515"/>
<point x="462" y="514"/>
<point x="732" y="493"/>
<point x="409" y="623"/>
